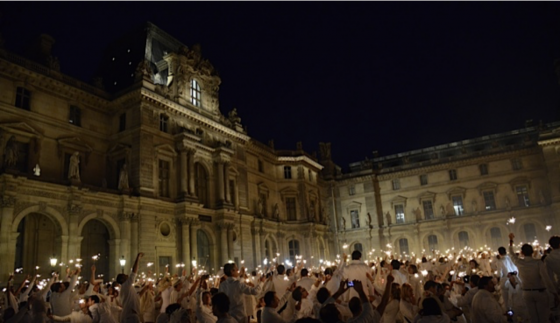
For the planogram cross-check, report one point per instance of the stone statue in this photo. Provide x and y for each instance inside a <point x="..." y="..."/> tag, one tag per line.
<point x="123" y="178"/>
<point x="369" y="223"/>
<point x="508" y="206"/>
<point x="342" y="224"/>
<point x="442" y="210"/>
<point x="233" y="117"/>
<point x="276" y="211"/>
<point x="312" y="211"/>
<point x="388" y="218"/>
<point x="10" y="153"/>
<point x="542" y="200"/>
<point x="418" y="214"/>
<point x="474" y="206"/>
<point x="325" y="150"/>
<point x="74" y="168"/>
<point x="261" y="206"/>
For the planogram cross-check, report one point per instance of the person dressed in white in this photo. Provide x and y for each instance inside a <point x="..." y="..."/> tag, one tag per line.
<point x="61" y="297"/>
<point x="204" y="303"/>
<point x="408" y="306"/>
<point x="235" y="289"/>
<point x="392" y="311"/>
<point x="281" y="281"/>
<point x="431" y="312"/>
<point x="130" y="299"/>
<point x="400" y="278"/>
<point x="552" y="261"/>
<point x="536" y="282"/>
<point x="485" y="307"/>
<point x="270" y="314"/>
<point x="81" y="316"/>
<point x="504" y="265"/>
<point x="305" y="281"/>
<point x="100" y="312"/>
<point x="357" y="270"/>
<point x="465" y="301"/>
<point x="220" y="308"/>
<point x="512" y="293"/>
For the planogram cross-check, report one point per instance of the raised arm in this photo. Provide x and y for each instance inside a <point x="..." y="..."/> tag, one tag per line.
<point x="136" y="262"/>
<point x="385" y="297"/>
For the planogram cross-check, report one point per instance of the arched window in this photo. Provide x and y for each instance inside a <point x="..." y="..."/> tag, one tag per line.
<point x="496" y="237"/>
<point x="463" y="239"/>
<point x="530" y="232"/>
<point x="196" y="93"/>
<point x="432" y="242"/>
<point x="358" y="246"/>
<point x="293" y="246"/>
<point x="203" y="248"/>
<point x="201" y="184"/>
<point x="403" y="246"/>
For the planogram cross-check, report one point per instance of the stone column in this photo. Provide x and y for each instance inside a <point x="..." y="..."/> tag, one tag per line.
<point x="185" y="230"/>
<point x="258" y="256"/>
<point x="114" y="264"/>
<point x="226" y="183"/>
<point x="133" y="240"/>
<point x="64" y="249"/>
<point x="183" y="190"/>
<point x="191" y="170"/>
<point x="6" y="265"/>
<point x="230" y="241"/>
<point x="124" y="249"/>
<point x="224" y="242"/>
<point x="220" y="180"/>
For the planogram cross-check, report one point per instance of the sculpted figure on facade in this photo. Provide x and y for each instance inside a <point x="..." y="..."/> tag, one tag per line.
<point x="325" y="150"/>
<point x="233" y="117"/>
<point x="260" y="206"/>
<point x="276" y="211"/>
<point x="342" y="224"/>
<point x="388" y="218"/>
<point x="10" y="152"/>
<point x="508" y="206"/>
<point x="442" y="210"/>
<point x="74" y="168"/>
<point x="123" y="178"/>
<point x="312" y="211"/>
<point x="474" y="206"/>
<point x="418" y="214"/>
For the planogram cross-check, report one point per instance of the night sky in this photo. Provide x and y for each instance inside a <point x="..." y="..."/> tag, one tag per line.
<point x="386" y="76"/>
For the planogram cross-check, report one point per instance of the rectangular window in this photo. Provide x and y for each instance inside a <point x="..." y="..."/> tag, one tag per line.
<point x="291" y="208"/>
<point x="463" y="239"/>
<point x="287" y="172"/>
<point x="530" y="232"/>
<point x="163" y="119"/>
<point x="232" y="192"/>
<point x="399" y="212"/>
<point x="355" y="217"/>
<point x="122" y="122"/>
<point x="163" y="178"/>
<point x="195" y="93"/>
<point x="516" y="164"/>
<point x="483" y="169"/>
<point x="293" y="247"/>
<point x="423" y="179"/>
<point x="489" y="202"/>
<point x="452" y="174"/>
<point x="396" y="184"/>
<point x="522" y="195"/>
<point x="403" y="246"/>
<point x="458" y="204"/>
<point x="75" y="116"/>
<point x="310" y="175"/>
<point x="351" y="190"/>
<point x="432" y="242"/>
<point x="23" y="98"/>
<point x="260" y="165"/>
<point x="428" y="209"/>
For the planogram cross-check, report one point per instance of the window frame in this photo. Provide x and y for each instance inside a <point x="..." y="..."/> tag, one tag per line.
<point x="461" y="211"/>
<point x="483" y="168"/>
<point x="163" y="123"/>
<point x="287" y="172"/>
<point x="487" y="205"/>
<point x="75" y="116"/>
<point x="396" y="184"/>
<point x="452" y="174"/>
<point x="522" y="199"/>
<point x="355" y="214"/>
<point x="402" y="218"/>
<point x="291" y="212"/>
<point x="196" y="93"/>
<point x="428" y="215"/>
<point x="23" y="98"/>
<point x="423" y="179"/>
<point x="516" y="163"/>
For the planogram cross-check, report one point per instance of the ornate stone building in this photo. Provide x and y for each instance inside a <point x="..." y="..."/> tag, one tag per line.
<point x="145" y="160"/>
<point x="454" y="195"/>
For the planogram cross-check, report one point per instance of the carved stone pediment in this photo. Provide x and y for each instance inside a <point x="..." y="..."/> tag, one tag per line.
<point x="487" y="186"/>
<point x="398" y="200"/>
<point x="118" y="150"/>
<point x="74" y="144"/>
<point x="20" y="128"/>
<point x="426" y="196"/>
<point x="165" y="149"/>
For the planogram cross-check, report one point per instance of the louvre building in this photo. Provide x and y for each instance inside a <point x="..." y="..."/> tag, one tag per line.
<point x="144" y="159"/>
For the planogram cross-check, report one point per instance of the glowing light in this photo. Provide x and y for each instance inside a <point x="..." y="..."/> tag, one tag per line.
<point x="344" y="246"/>
<point x="149" y="264"/>
<point x="548" y="227"/>
<point x="512" y="220"/>
<point x="424" y="273"/>
<point x="265" y="261"/>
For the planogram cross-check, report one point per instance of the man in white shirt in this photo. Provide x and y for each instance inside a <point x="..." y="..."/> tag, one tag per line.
<point x="204" y="303"/>
<point x="235" y="289"/>
<point x="400" y="278"/>
<point x="536" y="282"/>
<point x="357" y="270"/>
<point x="61" y="298"/>
<point x="130" y="300"/>
<point x="280" y="280"/>
<point x="305" y="281"/>
<point x="485" y="307"/>
<point x="270" y="314"/>
<point x="504" y="265"/>
<point x="552" y="261"/>
<point x="465" y="301"/>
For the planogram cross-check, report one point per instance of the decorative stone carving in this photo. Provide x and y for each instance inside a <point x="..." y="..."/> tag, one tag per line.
<point x="126" y="216"/>
<point x="74" y="209"/>
<point x="74" y="168"/>
<point x="233" y="117"/>
<point x="325" y="150"/>
<point x="10" y="153"/>
<point x="123" y="178"/>
<point x="42" y="206"/>
<point x="143" y="71"/>
<point x="7" y="201"/>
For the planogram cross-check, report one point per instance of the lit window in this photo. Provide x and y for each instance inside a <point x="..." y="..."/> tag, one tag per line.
<point x="483" y="169"/>
<point x="522" y="195"/>
<point x="163" y="120"/>
<point x="399" y="211"/>
<point x="396" y="184"/>
<point x="287" y="172"/>
<point x="195" y="93"/>
<point x="23" y="98"/>
<point x="424" y="179"/>
<point x="489" y="201"/>
<point x="516" y="164"/>
<point x="428" y="209"/>
<point x="75" y="116"/>
<point x="355" y="217"/>
<point x="458" y="204"/>
<point x="452" y="174"/>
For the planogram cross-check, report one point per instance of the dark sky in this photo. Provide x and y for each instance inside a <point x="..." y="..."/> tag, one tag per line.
<point x="386" y="76"/>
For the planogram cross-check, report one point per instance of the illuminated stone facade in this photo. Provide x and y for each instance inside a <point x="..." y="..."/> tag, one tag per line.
<point x="162" y="170"/>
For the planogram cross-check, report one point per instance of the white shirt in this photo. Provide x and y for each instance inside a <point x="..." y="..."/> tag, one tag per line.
<point x="368" y="315"/>
<point x="234" y="289"/>
<point x="203" y="313"/>
<point x="552" y="262"/>
<point x="165" y="299"/>
<point x="306" y="282"/>
<point x="400" y="278"/>
<point x="130" y="299"/>
<point x="357" y="270"/>
<point x="465" y="302"/>
<point x="532" y="272"/>
<point x="281" y="283"/>
<point x="61" y="303"/>
<point x="486" y="309"/>
<point x="391" y="312"/>
<point x="74" y="317"/>
<point x="408" y="310"/>
<point x="101" y="313"/>
<point x="505" y="266"/>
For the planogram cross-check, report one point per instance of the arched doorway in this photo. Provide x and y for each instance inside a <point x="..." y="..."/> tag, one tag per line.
<point x="95" y="242"/>
<point x="203" y="249"/>
<point x="269" y="249"/>
<point x="38" y="240"/>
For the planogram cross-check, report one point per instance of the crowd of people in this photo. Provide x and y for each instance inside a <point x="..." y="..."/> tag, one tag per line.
<point x="508" y="285"/>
